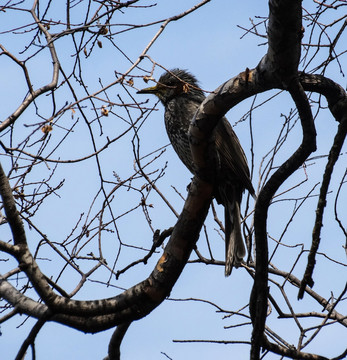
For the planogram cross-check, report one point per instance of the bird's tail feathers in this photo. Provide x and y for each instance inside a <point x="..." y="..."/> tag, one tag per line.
<point x="234" y="246"/>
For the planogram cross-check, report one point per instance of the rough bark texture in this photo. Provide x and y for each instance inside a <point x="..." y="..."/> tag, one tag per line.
<point x="277" y="70"/>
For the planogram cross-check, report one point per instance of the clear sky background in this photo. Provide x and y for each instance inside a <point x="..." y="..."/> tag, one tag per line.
<point x="210" y="45"/>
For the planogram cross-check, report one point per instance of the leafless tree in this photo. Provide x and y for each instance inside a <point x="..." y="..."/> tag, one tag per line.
<point x="75" y="161"/>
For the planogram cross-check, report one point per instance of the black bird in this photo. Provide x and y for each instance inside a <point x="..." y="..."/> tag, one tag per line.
<point x="181" y="96"/>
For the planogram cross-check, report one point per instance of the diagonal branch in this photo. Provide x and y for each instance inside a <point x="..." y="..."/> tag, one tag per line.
<point x="134" y="303"/>
<point x="334" y="154"/>
<point x="11" y="212"/>
<point x="36" y="93"/>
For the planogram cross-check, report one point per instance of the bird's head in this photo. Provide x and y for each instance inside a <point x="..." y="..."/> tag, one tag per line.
<point x="175" y="83"/>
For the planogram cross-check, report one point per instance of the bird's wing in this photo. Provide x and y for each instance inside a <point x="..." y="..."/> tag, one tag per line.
<point x="231" y="154"/>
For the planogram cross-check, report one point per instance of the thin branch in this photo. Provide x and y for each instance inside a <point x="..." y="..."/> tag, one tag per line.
<point x="55" y="72"/>
<point x="332" y="159"/>
<point x="32" y="336"/>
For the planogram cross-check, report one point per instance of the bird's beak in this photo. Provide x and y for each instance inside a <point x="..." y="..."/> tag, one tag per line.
<point x="149" y="90"/>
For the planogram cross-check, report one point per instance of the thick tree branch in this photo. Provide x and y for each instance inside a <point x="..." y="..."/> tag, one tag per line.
<point x="284" y="39"/>
<point x="12" y="215"/>
<point x="281" y="62"/>
<point x="141" y="299"/>
<point x="337" y="102"/>
<point x="258" y="305"/>
<point x="278" y="69"/>
<point x="214" y="107"/>
<point x="333" y="92"/>
<point x="22" y="303"/>
<point x="20" y="249"/>
<point x="116" y="340"/>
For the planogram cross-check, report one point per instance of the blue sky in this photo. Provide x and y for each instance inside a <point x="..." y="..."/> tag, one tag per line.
<point x="209" y="44"/>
